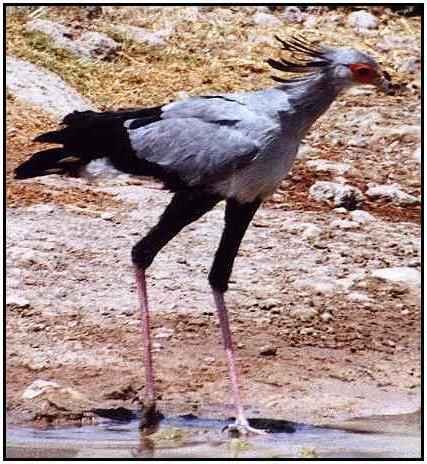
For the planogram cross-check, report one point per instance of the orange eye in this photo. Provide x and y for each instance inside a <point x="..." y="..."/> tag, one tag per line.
<point x="363" y="73"/>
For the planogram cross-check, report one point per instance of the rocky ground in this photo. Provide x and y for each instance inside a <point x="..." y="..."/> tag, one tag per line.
<point x="324" y="302"/>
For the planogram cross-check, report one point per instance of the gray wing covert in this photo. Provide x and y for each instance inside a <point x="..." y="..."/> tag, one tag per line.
<point x="199" y="152"/>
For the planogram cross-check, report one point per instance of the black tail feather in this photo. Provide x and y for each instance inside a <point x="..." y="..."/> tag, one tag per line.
<point x="43" y="163"/>
<point x="86" y="136"/>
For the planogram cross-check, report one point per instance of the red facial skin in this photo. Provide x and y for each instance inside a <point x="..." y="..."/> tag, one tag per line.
<point x="364" y="73"/>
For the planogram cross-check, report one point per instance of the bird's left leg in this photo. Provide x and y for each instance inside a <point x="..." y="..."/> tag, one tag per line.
<point x="237" y="219"/>
<point x="184" y="208"/>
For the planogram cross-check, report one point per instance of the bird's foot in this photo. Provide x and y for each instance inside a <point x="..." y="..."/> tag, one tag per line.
<point x="242" y="428"/>
<point x="150" y="417"/>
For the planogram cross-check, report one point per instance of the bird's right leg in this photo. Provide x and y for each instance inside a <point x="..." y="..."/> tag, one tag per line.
<point x="185" y="208"/>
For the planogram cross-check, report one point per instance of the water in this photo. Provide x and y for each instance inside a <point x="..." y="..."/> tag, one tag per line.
<point x="194" y="437"/>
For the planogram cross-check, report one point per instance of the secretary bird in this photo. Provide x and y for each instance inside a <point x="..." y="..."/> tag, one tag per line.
<point x="235" y="147"/>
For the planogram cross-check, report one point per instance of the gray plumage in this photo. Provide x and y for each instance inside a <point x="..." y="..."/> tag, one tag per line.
<point x="241" y="145"/>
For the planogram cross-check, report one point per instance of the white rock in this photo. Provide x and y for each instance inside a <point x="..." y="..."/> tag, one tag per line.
<point x="362" y="217"/>
<point x="323" y="165"/>
<point x="362" y="20"/>
<point x="107" y="216"/>
<point x="326" y="317"/>
<point x="344" y="224"/>
<point x="340" y="195"/>
<point x="359" y="297"/>
<point x="304" y="314"/>
<point x="404" y="275"/>
<point x="265" y="20"/>
<point x="393" y="193"/>
<point x="417" y="154"/>
<point x="97" y="45"/>
<point x="310" y="22"/>
<point x="321" y="285"/>
<point x="409" y="65"/>
<point x="39" y="87"/>
<point x="292" y="14"/>
<point x="262" y="39"/>
<point x="38" y="387"/>
<point x="51" y="28"/>
<point x="311" y="231"/>
<point x="16" y="300"/>
<point x="100" y="168"/>
<point x="141" y="35"/>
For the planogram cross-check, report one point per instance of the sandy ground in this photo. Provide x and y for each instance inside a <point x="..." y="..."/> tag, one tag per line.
<point x="339" y="342"/>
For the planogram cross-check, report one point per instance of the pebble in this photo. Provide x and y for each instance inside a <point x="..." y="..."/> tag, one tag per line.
<point x="344" y="224"/>
<point x="268" y="351"/>
<point x="306" y="331"/>
<point x="361" y="217"/>
<point x="333" y="167"/>
<point x="393" y="193"/>
<point x="292" y="14"/>
<point x="265" y="19"/>
<point x="417" y="154"/>
<point x="141" y="35"/>
<point x="38" y="387"/>
<point x="359" y="297"/>
<point x="346" y="196"/>
<point x="18" y="301"/>
<point x="362" y="20"/>
<point x="311" y="232"/>
<point x="326" y="317"/>
<point x="304" y="313"/>
<point x="404" y="275"/>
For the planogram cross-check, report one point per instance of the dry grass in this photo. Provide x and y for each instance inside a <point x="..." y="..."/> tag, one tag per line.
<point x="215" y="53"/>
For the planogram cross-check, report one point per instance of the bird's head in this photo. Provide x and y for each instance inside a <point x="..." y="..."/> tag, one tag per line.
<point x="344" y="66"/>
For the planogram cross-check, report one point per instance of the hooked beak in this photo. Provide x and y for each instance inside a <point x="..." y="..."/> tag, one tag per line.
<point x="384" y="83"/>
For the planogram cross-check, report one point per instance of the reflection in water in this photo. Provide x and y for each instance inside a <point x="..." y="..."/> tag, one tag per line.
<point x="195" y="437"/>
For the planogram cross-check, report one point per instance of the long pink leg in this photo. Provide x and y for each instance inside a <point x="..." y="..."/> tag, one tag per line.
<point x="229" y="352"/>
<point x="145" y="322"/>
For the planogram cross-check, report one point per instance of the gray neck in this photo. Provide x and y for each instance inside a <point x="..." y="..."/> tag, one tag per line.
<point x="309" y="99"/>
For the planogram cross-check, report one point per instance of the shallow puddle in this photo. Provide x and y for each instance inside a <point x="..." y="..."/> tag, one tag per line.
<point x="192" y="437"/>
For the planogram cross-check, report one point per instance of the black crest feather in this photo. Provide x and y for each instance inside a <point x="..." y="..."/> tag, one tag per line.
<point x="304" y="57"/>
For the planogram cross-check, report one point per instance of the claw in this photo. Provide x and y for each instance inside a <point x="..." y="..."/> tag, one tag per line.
<point x="242" y="428"/>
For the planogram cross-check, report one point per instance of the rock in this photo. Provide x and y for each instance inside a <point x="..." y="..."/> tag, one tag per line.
<point x="359" y="297"/>
<point x="326" y="317"/>
<point x="53" y="29"/>
<point x="405" y="275"/>
<point x="361" y="217"/>
<point x="100" y="168"/>
<point x="362" y="20"/>
<point x="333" y="167"/>
<point x="268" y="351"/>
<point x="39" y="87"/>
<point x="265" y="20"/>
<point x="17" y="301"/>
<point x="141" y="35"/>
<point x="262" y="39"/>
<point x="304" y="313"/>
<point x="292" y="14"/>
<point x="340" y="195"/>
<point x="38" y="387"/>
<point x="310" y="22"/>
<point x="97" y="45"/>
<point x="391" y="193"/>
<point x="417" y="154"/>
<point x="306" y="331"/>
<point x="344" y="224"/>
<point x="311" y="232"/>
<point x="163" y="333"/>
<point x="410" y="65"/>
<point x="107" y="216"/>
